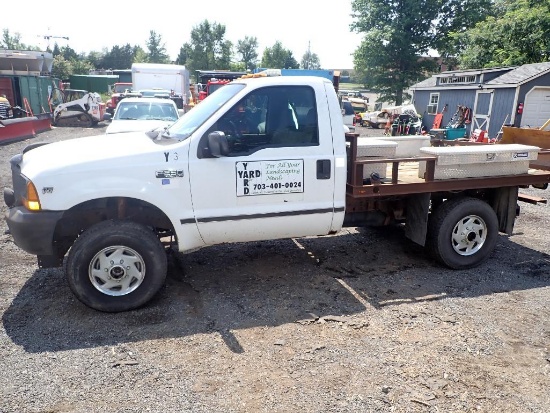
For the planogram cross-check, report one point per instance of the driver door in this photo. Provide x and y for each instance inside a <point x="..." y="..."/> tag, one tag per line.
<point x="269" y="185"/>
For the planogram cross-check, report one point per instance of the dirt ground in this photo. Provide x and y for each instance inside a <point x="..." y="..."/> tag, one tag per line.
<point x="362" y="321"/>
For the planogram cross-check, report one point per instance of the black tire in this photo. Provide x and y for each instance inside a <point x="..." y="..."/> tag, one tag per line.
<point x="107" y="285"/>
<point x="462" y="233"/>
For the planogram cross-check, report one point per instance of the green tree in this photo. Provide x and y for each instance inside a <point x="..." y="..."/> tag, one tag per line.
<point x="398" y="34"/>
<point x="277" y="57"/>
<point x="518" y="35"/>
<point x="140" y="56"/>
<point x="120" y="57"/>
<point x="456" y="16"/>
<point x="247" y="48"/>
<point x="157" y="49"/>
<point x="237" y="67"/>
<point x="56" y="50"/>
<point x="62" y="68"/>
<point x="69" y="53"/>
<point x="310" y="61"/>
<point x="184" y="56"/>
<point x="95" y="58"/>
<point x="13" y="42"/>
<point x="81" y="67"/>
<point x="208" y="49"/>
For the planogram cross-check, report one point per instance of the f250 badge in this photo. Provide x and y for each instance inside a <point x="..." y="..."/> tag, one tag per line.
<point x="169" y="173"/>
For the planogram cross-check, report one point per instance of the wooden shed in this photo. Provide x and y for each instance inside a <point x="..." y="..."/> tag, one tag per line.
<point x="518" y="96"/>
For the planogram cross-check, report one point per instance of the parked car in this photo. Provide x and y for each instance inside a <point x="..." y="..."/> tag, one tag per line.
<point x="139" y="114"/>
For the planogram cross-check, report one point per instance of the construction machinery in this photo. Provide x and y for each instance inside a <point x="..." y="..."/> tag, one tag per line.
<point x="210" y="80"/>
<point x="120" y="90"/>
<point x="77" y="108"/>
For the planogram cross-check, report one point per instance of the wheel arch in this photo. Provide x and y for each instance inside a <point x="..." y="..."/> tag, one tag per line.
<point x="503" y="201"/>
<point x="86" y="214"/>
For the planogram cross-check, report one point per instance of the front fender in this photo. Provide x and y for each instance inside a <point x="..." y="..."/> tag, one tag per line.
<point x="170" y="195"/>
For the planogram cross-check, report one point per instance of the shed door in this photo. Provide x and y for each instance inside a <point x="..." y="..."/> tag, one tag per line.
<point x="482" y="110"/>
<point x="536" y="109"/>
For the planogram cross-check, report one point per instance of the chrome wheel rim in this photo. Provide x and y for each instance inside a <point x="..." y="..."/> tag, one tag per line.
<point x="117" y="270"/>
<point x="469" y="235"/>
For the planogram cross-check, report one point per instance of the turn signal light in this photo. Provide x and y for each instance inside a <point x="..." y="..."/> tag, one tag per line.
<point x="32" y="201"/>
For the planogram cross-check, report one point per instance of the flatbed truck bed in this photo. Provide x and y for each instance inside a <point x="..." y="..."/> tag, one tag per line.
<point x="404" y="179"/>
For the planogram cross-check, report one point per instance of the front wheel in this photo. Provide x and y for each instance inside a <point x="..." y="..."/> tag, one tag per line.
<point x="116" y="266"/>
<point x="462" y="232"/>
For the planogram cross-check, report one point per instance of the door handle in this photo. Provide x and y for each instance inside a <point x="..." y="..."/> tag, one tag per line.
<point x="323" y="168"/>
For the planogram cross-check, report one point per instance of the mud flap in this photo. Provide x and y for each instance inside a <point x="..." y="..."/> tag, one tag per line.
<point x="504" y="203"/>
<point x="416" y="228"/>
<point x="49" y="261"/>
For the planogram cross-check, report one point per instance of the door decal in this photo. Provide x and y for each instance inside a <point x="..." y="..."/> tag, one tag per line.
<point x="270" y="177"/>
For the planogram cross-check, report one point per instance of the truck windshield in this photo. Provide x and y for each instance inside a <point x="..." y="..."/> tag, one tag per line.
<point x="121" y="88"/>
<point x="212" y="87"/>
<point x="193" y="119"/>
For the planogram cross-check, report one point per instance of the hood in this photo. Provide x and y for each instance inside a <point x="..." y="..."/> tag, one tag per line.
<point x="88" y="154"/>
<point x="118" y="126"/>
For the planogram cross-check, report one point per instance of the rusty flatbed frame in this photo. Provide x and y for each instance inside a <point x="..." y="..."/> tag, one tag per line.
<point x="409" y="186"/>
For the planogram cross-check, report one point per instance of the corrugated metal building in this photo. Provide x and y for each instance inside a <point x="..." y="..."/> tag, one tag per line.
<point x="518" y="96"/>
<point x="93" y="83"/>
<point x="25" y="77"/>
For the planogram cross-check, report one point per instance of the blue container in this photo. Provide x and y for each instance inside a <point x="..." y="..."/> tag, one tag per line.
<point x="455" y="133"/>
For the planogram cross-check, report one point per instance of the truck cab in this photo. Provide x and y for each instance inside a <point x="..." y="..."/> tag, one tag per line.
<point x="119" y="92"/>
<point x="259" y="159"/>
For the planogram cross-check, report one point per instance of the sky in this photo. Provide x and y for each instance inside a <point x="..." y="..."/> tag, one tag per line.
<point x="297" y="24"/>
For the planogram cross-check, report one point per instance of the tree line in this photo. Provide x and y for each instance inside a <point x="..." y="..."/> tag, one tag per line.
<point x="208" y="49"/>
<point x="397" y="37"/>
<point x="466" y="34"/>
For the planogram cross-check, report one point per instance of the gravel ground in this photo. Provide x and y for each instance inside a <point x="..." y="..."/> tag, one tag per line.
<point x="362" y="321"/>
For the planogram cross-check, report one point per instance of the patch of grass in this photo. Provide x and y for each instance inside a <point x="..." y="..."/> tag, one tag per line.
<point x="352" y="86"/>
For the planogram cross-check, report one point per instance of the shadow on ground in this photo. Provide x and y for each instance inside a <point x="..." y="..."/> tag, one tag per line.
<point x="237" y="286"/>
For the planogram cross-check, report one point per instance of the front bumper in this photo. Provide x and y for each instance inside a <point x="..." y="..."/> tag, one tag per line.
<point x="33" y="232"/>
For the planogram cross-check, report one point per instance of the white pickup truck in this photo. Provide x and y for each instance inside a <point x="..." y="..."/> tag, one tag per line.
<point x="260" y="159"/>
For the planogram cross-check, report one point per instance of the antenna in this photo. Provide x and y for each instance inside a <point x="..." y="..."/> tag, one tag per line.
<point x="308" y="54"/>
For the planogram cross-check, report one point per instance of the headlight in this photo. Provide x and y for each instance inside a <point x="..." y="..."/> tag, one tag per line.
<point x="31" y="200"/>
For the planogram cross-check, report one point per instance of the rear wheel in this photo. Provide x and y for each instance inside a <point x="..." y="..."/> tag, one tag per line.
<point x="462" y="232"/>
<point x="116" y="266"/>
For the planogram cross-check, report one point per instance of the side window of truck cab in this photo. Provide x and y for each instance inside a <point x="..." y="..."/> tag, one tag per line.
<point x="278" y="116"/>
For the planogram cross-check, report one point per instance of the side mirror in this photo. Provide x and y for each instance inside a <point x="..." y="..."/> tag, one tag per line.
<point x="217" y="144"/>
<point x="107" y="116"/>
